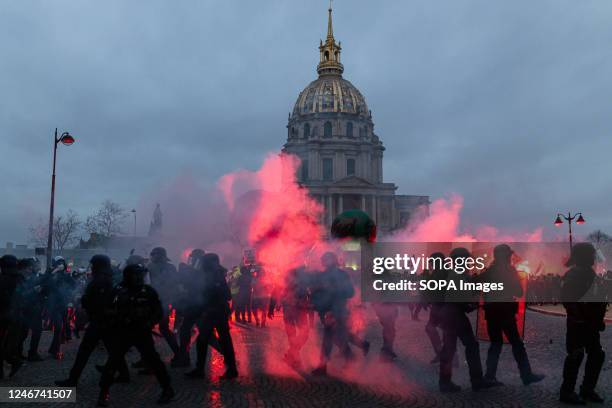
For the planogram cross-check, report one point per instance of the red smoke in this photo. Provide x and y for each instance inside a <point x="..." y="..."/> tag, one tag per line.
<point x="283" y="221"/>
<point x="443" y="224"/>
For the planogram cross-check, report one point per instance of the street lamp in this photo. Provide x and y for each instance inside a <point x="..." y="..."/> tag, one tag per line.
<point x="67" y="140"/>
<point x="134" y="212"/>
<point x="569" y="218"/>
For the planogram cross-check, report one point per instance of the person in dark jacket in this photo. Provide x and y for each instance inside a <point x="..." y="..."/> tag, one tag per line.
<point x="134" y="310"/>
<point x="33" y="297"/>
<point x="294" y="296"/>
<point x="331" y="290"/>
<point x="500" y="314"/>
<point x="457" y="325"/>
<point x="96" y="300"/>
<point x="164" y="278"/>
<point x="59" y="287"/>
<point x="585" y="319"/>
<point x="216" y="296"/>
<point x="189" y="305"/>
<point x="10" y="319"/>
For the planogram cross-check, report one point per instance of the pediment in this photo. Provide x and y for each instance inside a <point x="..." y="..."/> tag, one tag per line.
<point x="353" y="181"/>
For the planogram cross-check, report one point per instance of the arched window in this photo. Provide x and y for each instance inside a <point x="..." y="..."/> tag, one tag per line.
<point x="306" y="131"/>
<point x="349" y="129"/>
<point x="327" y="130"/>
<point x="326" y="56"/>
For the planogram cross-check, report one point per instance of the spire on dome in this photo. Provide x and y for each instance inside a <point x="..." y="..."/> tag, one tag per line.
<point x="329" y="63"/>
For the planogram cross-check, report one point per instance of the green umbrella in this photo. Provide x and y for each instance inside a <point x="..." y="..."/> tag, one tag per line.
<point x="354" y="224"/>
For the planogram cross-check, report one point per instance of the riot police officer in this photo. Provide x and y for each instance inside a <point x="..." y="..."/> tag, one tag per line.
<point x="33" y="295"/>
<point x="215" y="317"/>
<point x="10" y="323"/>
<point x="457" y="325"/>
<point x="163" y="277"/>
<point x="585" y="319"/>
<point x="331" y="290"/>
<point x="96" y="300"/>
<point x="500" y="314"/>
<point x="134" y="310"/>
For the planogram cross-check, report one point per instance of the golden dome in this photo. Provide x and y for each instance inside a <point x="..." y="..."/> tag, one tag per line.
<point x="330" y="93"/>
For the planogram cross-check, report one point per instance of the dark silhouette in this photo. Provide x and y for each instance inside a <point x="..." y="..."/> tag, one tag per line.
<point x="500" y="313"/>
<point x="135" y="309"/>
<point x="585" y="319"/>
<point x="96" y="301"/>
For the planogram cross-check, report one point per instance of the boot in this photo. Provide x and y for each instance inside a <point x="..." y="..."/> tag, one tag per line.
<point x="591" y="396"/>
<point x="15" y="367"/>
<point x="34" y="357"/>
<point x="320" y="371"/>
<point x="484" y="383"/>
<point x="180" y="361"/>
<point x="103" y="398"/>
<point x="230" y="374"/>
<point x="571" y="398"/>
<point x="195" y="373"/>
<point x="533" y="378"/>
<point x="166" y="396"/>
<point x="449" y="387"/>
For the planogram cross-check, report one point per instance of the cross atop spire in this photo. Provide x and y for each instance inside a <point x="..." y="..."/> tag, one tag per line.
<point x="329" y="63"/>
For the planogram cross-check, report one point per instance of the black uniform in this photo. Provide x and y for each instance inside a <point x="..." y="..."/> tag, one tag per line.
<point x="331" y="291"/>
<point x="10" y="319"/>
<point x="134" y="310"/>
<point x="59" y="287"/>
<point x="164" y="279"/>
<point x="96" y="301"/>
<point x="457" y="325"/>
<point x="585" y="319"/>
<point x="215" y="317"/>
<point x="32" y="293"/>
<point x="295" y="300"/>
<point x="189" y="304"/>
<point x="500" y="313"/>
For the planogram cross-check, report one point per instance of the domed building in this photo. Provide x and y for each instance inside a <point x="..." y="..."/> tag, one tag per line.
<point x="331" y="130"/>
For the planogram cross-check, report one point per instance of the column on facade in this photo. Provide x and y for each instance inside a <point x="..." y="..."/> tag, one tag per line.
<point x="374" y="209"/>
<point x="329" y="209"/>
<point x="340" y="204"/>
<point x="363" y="202"/>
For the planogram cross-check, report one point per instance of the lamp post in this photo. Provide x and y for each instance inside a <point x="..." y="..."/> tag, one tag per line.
<point x="569" y="218"/>
<point x="134" y="212"/>
<point x="66" y="139"/>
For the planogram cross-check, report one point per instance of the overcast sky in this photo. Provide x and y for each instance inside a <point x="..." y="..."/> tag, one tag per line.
<point x="506" y="103"/>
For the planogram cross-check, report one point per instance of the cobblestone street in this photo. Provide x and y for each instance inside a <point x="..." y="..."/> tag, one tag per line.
<point x="265" y="381"/>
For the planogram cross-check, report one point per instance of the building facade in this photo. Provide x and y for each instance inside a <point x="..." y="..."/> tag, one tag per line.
<point x="331" y="130"/>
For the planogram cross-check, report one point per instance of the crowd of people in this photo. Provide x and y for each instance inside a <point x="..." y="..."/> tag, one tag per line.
<point x="120" y="308"/>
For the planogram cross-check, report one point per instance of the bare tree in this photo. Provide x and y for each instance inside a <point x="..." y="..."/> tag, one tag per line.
<point x="599" y="237"/>
<point x="107" y="220"/>
<point x="66" y="230"/>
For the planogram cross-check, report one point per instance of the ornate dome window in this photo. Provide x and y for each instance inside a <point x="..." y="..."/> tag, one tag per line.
<point x="327" y="130"/>
<point x="306" y="131"/>
<point x="349" y="129"/>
